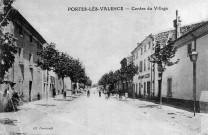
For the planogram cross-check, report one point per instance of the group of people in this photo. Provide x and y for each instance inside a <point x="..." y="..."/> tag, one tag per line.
<point x="107" y="94"/>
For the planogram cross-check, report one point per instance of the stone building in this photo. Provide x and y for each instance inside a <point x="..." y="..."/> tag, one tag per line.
<point x="30" y="81"/>
<point x="24" y="73"/>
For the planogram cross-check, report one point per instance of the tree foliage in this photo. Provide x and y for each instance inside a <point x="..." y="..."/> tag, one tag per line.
<point x="163" y="55"/>
<point x="125" y="73"/>
<point x="47" y="57"/>
<point x="62" y="64"/>
<point x="8" y="48"/>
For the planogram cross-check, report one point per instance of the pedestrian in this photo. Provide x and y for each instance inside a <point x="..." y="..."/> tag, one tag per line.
<point x="99" y="93"/>
<point x="126" y="95"/>
<point x="88" y="93"/>
<point x="119" y="94"/>
<point x="54" y="92"/>
<point x="64" y="94"/>
<point x="108" y="94"/>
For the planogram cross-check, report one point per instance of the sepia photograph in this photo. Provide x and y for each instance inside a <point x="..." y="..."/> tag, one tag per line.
<point x="101" y="67"/>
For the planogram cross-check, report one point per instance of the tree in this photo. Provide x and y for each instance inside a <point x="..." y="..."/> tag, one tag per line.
<point x="62" y="66"/>
<point x="128" y="72"/>
<point x="47" y="57"/>
<point x="163" y="57"/>
<point x="7" y="40"/>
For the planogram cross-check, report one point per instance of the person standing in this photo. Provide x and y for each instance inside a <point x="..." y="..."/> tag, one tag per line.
<point x="88" y="93"/>
<point x="99" y="93"/>
<point x="108" y="94"/>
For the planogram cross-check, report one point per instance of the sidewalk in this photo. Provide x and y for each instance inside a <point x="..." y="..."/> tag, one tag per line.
<point x="184" y="119"/>
<point x="12" y="122"/>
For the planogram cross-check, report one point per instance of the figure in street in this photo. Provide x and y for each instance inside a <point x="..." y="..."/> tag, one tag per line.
<point x="54" y="92"/>
<point x="99" y="93"/>
<point x="108" y="93"/>
<point x="88" y="93"/>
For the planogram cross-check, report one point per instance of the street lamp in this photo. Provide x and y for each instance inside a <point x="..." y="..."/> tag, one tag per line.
<point x="193" y="57"/>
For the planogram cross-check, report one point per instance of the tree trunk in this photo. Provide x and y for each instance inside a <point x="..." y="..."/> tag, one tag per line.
<point x="160" y="86"/>
<point x="126" y="85"/>
<point x="63" y="85"/>
<point x="48" y="87"/>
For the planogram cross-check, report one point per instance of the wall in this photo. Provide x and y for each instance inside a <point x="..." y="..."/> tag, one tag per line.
<point x="182" y="76"/>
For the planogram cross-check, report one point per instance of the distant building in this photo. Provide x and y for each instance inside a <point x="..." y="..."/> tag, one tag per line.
<point x="126" y="85"/>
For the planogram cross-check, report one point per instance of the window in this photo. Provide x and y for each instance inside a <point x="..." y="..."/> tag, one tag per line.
<point x="140" y="66"/>
<point x="148" y="87"/>
<point x="31" y="38"/>
<point x="20" y="50"/>
<point x="137" y="55"/>
<point x="189" y="49"/>
<point x="141" y="50"/>
<point x="145" y="48"/>
<point x="39" y="47"/>
<point x="149" y="44"/>
<point x="169" y="87"/>
<point x="144" y="88"/>
<point x="144" y="64"/>
<point x="20" y="30"/>
<point x="148" y="65"/>
<point x="31" y="59"/>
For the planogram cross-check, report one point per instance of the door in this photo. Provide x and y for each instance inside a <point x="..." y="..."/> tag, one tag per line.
<point x="136" y="89"/>
<point x="144" y="88"/>
<point x="140" y="90"/>
<point x="148" y="89"/>
<point x="30" y="89"/>
<point x="169" y="87"/>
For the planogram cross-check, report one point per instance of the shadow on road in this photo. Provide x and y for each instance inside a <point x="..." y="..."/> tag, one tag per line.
<point x="8" y="121"/>
<point x="45" y="105"/>
<point x="63" y="99"/>
<point x="148" y="106"/>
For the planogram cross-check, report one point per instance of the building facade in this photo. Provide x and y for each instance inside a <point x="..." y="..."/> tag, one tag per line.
<point x="143" y="79"/>
<point x="178" y="80"/>
<point x="31" y="82"/>
<point x="146" y="82"/>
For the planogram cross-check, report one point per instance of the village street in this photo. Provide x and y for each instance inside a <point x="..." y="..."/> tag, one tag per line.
<point x="79" y="115"/>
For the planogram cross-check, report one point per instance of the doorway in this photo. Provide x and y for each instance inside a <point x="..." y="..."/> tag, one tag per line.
<point x="140" y="90"/>
<point x="30" y="89"/>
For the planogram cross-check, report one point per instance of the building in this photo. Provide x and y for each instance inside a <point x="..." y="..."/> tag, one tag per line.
<point x="146" y="82"/>
<point x="30" y="81"/>
<point x="142" y="80"/>
<point x="24" y="73"/>
<point x="177" y="87"/>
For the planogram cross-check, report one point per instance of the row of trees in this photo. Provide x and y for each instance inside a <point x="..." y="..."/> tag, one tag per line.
<point x="62" y="64"/>
<point x="121" y="76"/>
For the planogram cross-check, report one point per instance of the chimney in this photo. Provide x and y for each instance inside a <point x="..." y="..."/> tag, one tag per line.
<point x="177" y="25"/>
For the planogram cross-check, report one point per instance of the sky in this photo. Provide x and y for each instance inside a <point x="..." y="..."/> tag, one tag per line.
<point x="101" y="39"/>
